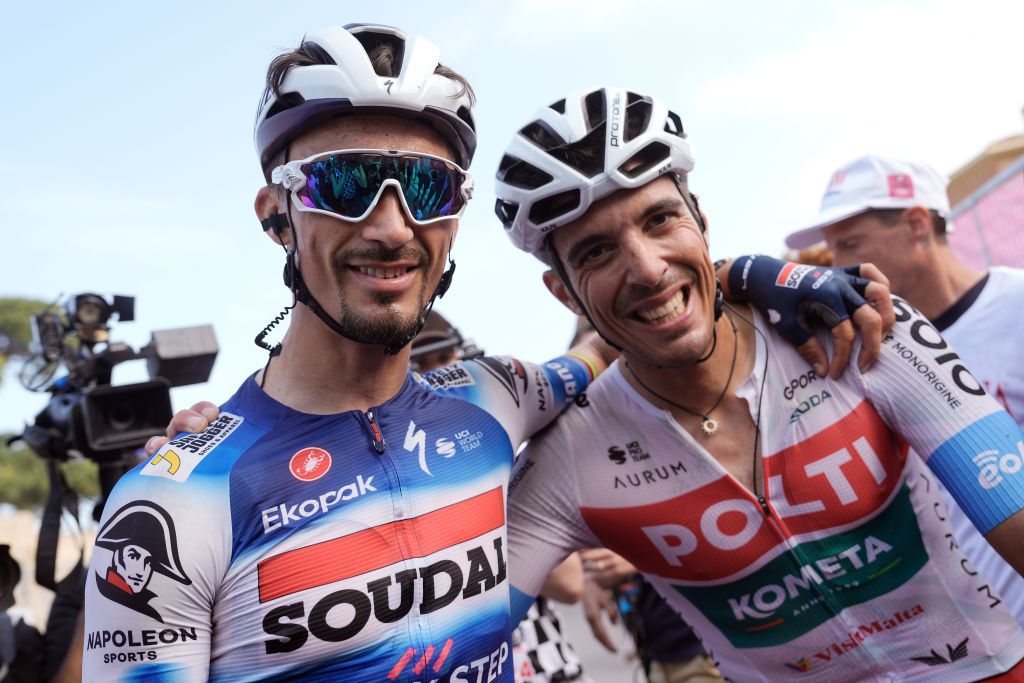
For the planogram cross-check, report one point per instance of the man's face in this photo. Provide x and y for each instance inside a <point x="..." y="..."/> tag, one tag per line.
<point x="134" y="564"/>
<point x="640" y="265"/>
<point x="375" y="276"/>
<point x="865" y="239"/>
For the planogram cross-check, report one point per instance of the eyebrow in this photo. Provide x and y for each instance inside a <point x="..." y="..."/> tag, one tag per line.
<point x="657" y="207"/>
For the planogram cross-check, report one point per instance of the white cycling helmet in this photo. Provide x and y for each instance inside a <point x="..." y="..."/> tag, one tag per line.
<point x="312" y="94"/>
<point x="579" y="150"/>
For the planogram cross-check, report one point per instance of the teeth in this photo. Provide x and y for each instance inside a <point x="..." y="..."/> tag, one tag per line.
<point x="383" y="273"/>
<point x="671" y="309"/>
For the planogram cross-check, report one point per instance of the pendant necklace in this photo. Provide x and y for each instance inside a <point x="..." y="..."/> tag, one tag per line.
<point x="708" y="424"/>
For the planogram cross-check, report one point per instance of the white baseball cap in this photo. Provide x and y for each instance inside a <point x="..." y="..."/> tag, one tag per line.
<point x="874" y="182"/>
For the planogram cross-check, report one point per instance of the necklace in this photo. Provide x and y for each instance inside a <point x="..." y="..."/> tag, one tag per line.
<point x="708" y="424"/>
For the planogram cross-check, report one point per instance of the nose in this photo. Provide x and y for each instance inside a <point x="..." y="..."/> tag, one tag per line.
<point x="645" y="266"/>
<point x="388" y="223"/>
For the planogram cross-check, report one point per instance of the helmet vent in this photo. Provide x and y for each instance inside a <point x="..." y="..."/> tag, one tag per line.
<point x="594" y="106"/>
<point x="674" y="125"/>
<point x="638" y="117"/>
<point x="506" y="212"/>
<point x="550" y="208"/>
<point x="285" y="102"/>
<point x="646" y="159"/>
<point x="540" y="134"/>
<point x="466" y="115"/>
<point x="558" y="106"/>
<point x="520" y="174"/>
<point x="385" y="51"/>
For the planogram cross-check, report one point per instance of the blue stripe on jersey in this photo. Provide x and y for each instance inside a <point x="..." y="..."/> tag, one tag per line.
<point x="520" y="603"/>
<point x="982" y="467"/>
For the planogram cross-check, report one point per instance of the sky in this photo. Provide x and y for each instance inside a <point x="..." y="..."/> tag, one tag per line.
<point x="128" y="165"/>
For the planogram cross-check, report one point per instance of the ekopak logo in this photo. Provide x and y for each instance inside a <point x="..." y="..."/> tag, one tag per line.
<point x="310" y="464"/>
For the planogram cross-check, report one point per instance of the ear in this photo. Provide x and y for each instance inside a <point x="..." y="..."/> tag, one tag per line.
<point x="919" y="221"/>
<point x="560" y="291"/>
<point x="268" y="202"/>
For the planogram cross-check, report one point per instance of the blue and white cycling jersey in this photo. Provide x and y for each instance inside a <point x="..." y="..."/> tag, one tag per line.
<point x="350" y="547"/>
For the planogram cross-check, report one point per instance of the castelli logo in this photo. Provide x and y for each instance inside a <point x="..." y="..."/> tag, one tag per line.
<point x="310" y="464"/>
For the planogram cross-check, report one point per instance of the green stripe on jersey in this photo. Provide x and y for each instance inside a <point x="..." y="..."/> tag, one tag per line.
<point x="801" y="589"/>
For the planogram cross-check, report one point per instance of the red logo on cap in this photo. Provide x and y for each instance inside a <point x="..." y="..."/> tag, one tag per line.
<point x="901" y="186"/>
<point x="310" y="464"/>
<point x="837" y="179"/>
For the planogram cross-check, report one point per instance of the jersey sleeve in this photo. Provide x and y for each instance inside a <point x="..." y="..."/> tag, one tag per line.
<point x="163" y="544"/>
<point x="544" y="521"/>
<point x="523" y="397"/>
<point x="925" y="393"/>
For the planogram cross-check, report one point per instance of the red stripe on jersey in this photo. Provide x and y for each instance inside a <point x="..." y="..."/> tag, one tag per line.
<point x="842" y="474"/>
<point x="380" y="546"/>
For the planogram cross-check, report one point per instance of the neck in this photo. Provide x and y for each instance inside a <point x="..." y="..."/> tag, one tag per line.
<point x="941" y="283"/>
<point x="698" y="385"/>
<point x="321" y="372"/>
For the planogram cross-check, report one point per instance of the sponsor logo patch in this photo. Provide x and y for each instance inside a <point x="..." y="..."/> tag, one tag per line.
<point x="901" y="186"/>
<point x="310" y="464"/>
<point x="791" y="275"/>
<point x="142" y="542"/>
<point x="178" y="458"/>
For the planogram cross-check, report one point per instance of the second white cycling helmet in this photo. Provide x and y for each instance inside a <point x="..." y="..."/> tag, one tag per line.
<point x="579" y="150"/>
<point x="313" y="93"/>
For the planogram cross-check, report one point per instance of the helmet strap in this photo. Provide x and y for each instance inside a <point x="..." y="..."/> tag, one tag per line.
<point x="560" y="269"/>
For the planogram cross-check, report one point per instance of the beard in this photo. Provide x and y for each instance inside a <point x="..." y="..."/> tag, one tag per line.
<point x="386" y="325"/>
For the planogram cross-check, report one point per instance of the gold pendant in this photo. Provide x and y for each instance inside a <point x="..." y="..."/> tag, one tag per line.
<point x="709" y="426"/>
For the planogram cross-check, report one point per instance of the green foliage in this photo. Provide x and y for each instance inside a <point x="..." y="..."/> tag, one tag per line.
<point x="15" y="315"/>
<point x="23" y="480"/>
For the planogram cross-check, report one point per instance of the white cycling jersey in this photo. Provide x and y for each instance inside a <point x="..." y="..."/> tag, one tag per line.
<point x="845" y="569"/>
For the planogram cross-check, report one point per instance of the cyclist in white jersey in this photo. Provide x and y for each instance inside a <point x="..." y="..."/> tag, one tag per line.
<point x="894" y="213"/>
<point x="777" y="510"/>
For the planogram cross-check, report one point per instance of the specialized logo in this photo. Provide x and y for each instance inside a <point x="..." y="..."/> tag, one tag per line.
<point x="283" y="514"/>
<point x="791" y="275"/>
<point x="389" y="83"/>
<point x="993" y="465"/>
<point x="637" y="453"/>
<point x="142" y="540"/>
<point x="428" y="588"/>
<point x="953" y="654"/>
<point x="901" y="186"/>
<point x="310" y="464"/>
<point x="178" y="458"/>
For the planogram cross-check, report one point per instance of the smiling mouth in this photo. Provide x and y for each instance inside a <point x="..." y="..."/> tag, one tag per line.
<point x="668" y="311"/>
<point x="385" y="273"/>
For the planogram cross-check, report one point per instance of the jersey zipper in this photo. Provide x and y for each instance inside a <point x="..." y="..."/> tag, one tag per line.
<point x="378" y="442"/>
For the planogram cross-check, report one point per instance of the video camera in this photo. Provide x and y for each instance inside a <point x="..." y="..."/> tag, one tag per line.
<point x="86" y="414"/>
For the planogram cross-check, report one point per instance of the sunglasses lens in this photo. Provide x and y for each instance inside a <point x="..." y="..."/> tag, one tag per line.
<point x="348" y="184"/>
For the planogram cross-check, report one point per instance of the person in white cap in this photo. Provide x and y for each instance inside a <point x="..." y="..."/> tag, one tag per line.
<point x="893" y="214"/>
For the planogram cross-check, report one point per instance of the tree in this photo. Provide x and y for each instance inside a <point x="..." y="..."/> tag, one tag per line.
<point x="15" y="327"/>
<point x="23" y="480"/>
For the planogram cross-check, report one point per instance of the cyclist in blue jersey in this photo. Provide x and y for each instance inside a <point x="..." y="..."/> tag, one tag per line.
<point x="778" y="510"/>
<point x="341" y="518"/>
